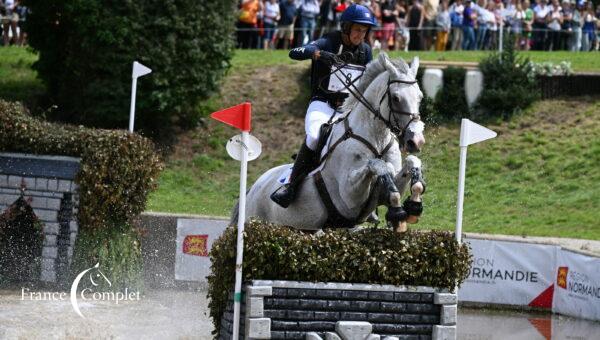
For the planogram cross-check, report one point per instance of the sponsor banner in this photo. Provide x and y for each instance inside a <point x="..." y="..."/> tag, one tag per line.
<point x="577" y="291"/>
<point x="510" y="273"/>
<point x="194" y="241"/>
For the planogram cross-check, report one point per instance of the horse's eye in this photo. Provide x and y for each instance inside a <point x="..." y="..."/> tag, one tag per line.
<point x="396" y="99"/>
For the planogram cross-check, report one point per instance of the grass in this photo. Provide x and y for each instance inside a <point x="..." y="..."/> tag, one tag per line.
<point x="540" y="176"/>
<point x="580" y="62"/>
<point x="18" y="82"/>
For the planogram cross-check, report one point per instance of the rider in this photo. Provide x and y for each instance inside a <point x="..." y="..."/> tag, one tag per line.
<point x="347" y="44"/>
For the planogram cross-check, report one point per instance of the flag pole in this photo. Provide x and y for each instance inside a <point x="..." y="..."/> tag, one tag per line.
<point x="237" y="298"/>
<point x="461" y="192"/>
<point x="132" y="107"/>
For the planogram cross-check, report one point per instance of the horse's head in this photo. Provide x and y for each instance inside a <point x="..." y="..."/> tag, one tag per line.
<point x="400" y="105"/>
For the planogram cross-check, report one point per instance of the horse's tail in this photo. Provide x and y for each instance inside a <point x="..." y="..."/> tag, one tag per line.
<point x="235" y="212"/>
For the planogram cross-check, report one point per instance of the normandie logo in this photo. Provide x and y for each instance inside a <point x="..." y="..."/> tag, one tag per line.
<point x="561" y="279"/>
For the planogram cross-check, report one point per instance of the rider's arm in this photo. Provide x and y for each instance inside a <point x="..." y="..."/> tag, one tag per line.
<point x="310" y="50"/>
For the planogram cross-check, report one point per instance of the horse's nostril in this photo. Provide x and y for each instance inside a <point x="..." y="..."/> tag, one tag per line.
<point x="412" y="146"/>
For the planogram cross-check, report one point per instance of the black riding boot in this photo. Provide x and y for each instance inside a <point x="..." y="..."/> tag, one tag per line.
<point x="305" y="162"/>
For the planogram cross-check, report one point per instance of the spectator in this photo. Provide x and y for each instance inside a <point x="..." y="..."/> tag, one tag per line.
<point x="327" y="17"/>
<point x="285" y="31"/>
<point x="431" y="9"/>
<point x="527" y="24"/>
<point x="389" y="16"/>
<point x="554" y="19"/>
<point x="23" y="11"/>
<point x="10" y="20"/>
<point x="567" y="25"/>
<point x="589" y="27"/>
<point x="540" y="26"/>
<point x="469" y="19"/>
<point x="403" y="33"/>
<point x="443" y="23"/>
<point x="576" y="24"/>
<point x="271" y="16"/>
<point x="516" y="26"/>
<point x="483" y="19"/>
<point x="339" y="9"/>
<point x="247" y="23"/>
<point x="456" y="18"/>
<point x="309" y="11"/>
<point x="415" y="19"/>
<point x="597" y="27"/>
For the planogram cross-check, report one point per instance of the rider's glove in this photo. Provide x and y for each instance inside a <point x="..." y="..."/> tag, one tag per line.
<point x="328" y="58"/>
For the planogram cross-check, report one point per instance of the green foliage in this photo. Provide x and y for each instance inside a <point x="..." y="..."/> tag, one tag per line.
<point x="118" y="252"/>
<point x="86" y="50"/>
<point x="507" y="87"/>
<point x="118" y="169"/>
<point x="368" y="256"/>
<point x="450" y="101"/>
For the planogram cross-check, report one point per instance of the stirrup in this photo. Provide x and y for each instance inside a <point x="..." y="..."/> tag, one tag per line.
<point x="283" y="196"/>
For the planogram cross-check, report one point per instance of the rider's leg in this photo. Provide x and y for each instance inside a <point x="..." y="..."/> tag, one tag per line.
<point x="318" y="113"/>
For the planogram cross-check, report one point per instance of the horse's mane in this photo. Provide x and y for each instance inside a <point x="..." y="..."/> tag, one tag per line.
<point x="372" y="71"/>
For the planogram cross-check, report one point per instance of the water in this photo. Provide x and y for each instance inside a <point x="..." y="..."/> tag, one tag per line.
<point x="168" y="314"/>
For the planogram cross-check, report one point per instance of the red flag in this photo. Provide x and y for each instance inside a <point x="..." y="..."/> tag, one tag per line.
<point x="237" y="116"/>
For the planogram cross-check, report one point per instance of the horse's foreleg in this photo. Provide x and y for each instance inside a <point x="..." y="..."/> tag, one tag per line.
<point x="411" y="176"/>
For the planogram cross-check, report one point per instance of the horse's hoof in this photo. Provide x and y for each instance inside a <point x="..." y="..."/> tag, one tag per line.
<point x="396" y="215"/>
<point x="412" y="207"/>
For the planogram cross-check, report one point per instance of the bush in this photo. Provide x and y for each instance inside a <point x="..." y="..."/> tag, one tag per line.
<point x="371" y="255"/>
<point x="450" y="101"/>
<point x="86" y="50"/>
<point x="507" y="87"/>
<point x="118" y="169"/>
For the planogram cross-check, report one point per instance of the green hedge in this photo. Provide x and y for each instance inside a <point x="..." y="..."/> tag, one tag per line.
<point x="371" y="255"/>
<point x="118" y="169"/>
<point x="450" y="101"/>
<point x="86" y="50"/>
<point x="507" y="86"/>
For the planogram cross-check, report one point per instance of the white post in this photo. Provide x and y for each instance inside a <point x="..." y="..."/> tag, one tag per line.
<point x="132" y="107"/>
<point x="470" y="133"/>
<point x="461" y="192"/>
<point x="240" y="237"/>
<point x="501" y="35"/>
<point x="138" y="70"/>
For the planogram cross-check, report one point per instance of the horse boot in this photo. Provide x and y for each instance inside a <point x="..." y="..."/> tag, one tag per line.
<point x="304" y="163"/>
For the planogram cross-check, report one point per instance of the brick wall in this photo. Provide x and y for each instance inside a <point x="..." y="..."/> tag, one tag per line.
<point x="300" y="310"/>
<point x="47" y="183"/>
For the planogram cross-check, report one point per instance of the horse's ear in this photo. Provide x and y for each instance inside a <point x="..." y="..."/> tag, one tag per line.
<point x="414" y="66"/>
<point x="387" y="63"/>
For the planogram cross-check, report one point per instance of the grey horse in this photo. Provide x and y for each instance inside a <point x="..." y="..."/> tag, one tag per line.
<point x="361" y="164"/>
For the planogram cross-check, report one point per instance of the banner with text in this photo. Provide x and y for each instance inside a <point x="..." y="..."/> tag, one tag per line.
<point x="577" y="285"/>
<point x="510" y="273"/>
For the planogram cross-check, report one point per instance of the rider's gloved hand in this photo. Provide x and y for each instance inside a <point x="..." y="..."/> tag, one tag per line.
<point x="328" y="58"/>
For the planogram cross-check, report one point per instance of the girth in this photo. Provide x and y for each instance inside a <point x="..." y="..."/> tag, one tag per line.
<point x="334" y="218"/>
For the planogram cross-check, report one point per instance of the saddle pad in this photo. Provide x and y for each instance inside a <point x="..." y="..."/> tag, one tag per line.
<point x="341" y="78"/>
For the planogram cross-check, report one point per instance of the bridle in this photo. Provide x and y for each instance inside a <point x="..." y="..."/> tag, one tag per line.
<point x="393" y="122"/>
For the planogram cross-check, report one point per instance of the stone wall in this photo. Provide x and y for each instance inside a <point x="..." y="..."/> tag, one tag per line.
<point x="47" y="183"/>
<point x="300" y="310"/>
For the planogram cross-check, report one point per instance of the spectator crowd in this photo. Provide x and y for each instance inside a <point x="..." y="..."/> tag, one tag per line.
<point x="13" y="15"/>
<point x="568" y="25"/>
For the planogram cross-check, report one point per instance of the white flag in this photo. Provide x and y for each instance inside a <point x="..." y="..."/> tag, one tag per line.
<point x="139" y="70"/>
<point x="471" y="133"/>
